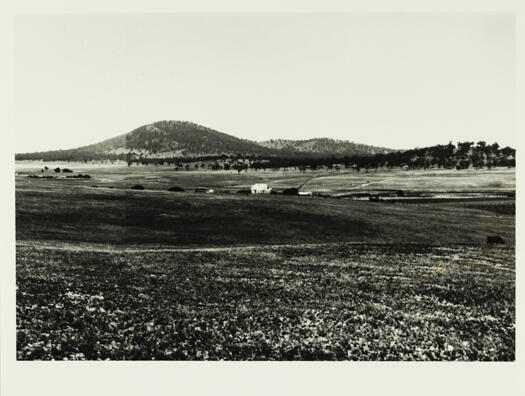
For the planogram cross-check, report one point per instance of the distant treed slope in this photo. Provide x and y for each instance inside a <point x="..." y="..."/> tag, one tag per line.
<point x="189" y="139"/>
<point x="462" y="156"/>
<point x="106" y="145"/>
<point x="324" y="146"/>
<point x="93" y="152"/>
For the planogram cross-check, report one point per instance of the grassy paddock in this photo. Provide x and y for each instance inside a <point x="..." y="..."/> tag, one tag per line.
<point x="163" y="177"/>
<point x="343" y="302"/>
<point x="84" y="214"/>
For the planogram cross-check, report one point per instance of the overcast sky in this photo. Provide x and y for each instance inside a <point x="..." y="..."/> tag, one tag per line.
<point x="394" y="80"/>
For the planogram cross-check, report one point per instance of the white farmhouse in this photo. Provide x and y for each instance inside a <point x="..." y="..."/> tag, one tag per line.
<point x="261" y="188"/>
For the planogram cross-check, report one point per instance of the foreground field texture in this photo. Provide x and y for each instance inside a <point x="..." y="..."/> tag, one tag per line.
<point x="324" y="302"/>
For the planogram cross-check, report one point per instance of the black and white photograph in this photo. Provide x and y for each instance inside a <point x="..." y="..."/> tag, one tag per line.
<point x="265" y="186"/>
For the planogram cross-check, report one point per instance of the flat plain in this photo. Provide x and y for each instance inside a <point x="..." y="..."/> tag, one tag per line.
<point x="106" y="272"/>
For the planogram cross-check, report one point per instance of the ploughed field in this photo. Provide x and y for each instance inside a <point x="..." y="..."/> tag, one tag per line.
<point x="124" y="274"/>
<point x="325" y="302"/>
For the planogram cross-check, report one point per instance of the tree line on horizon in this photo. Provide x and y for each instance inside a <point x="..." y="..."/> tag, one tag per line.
<point x="461" y="156"/>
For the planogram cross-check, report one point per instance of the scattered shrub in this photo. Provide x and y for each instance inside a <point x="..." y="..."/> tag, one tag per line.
<point x="291" y="191"/>
<point x="79" y="176"/>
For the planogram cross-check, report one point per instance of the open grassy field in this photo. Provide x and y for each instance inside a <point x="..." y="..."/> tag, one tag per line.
<point x="163" y="177"/>
<point x="84" y="214"/>
<point x="123" y="274"/>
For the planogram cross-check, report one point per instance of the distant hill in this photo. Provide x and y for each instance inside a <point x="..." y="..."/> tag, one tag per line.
<point x="188" y="139"/>
<point x="183" y="139"/>
<point x="324" y="146"/>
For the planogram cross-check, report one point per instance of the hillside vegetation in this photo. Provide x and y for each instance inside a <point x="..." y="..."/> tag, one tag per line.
<point x="189" y="138"/>
<point x="461" y="156"/>
<point x="324" y="146"/>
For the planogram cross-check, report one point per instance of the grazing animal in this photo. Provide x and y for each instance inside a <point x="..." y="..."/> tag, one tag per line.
<point x="57" y="170"/>
<point x="494" y="239"/>
<point x="137" y="187"/>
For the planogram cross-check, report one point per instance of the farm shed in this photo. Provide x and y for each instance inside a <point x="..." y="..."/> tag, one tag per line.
<point x="204" y="190"/>
<point x="261" y="188"/>
<point x="305" y="193"/>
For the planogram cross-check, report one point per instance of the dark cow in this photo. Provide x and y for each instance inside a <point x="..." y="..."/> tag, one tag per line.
<point x="57" y="170"/>
<point x="494" y="239"/>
